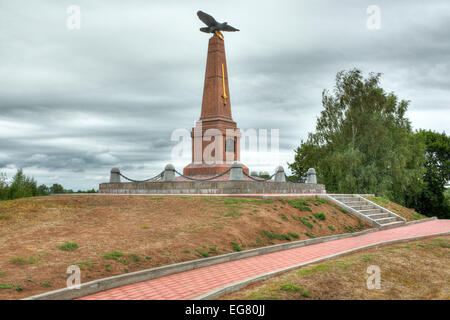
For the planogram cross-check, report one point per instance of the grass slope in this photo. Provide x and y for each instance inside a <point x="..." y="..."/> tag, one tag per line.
<point x="107" y="235"/>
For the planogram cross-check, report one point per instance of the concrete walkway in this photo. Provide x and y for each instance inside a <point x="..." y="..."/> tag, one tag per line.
<point x="193" y="283"/>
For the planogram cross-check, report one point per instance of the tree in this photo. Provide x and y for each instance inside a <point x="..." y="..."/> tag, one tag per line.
<point x="363" y="142"/>
<point x="22" y="186"/>
<point x="4" y="188"/>
<point x="56" y="188"/>
<point x="432" y="199"/>
<point x="43" y="190"/>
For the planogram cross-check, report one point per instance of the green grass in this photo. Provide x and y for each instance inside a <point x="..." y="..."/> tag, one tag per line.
<point x="212" y="249"/>
<point x="235" y="246"/>
<point x="283" y="216"/>
<point x="84" y="264"/>
<point x="441" y="243"/>
<point x="366" y="257"/>
<point x="417" y="216"/>
<point x="310" y="235"/>
<point x="116" y="255"/>
<point x="379" y="200"/>
<point x="202" y="253"/>
<point x="300" y="204"/>
<point x="233" y="212"/>
<point x="273" y="235"/>
<point x="121" y="257"/>
<point x="349" y="229"/>
<point x="293" y="235"/>
<point x="5" y="286"/>
<point x="68" y="246"/>
<point x="290" y="287"/>
<point x="45" y="284"/>
<point x="319" y="268"/>
<point x="321" y="216"/>
<point x="331" y="228"/>
<point x="134" y="257"/>
<point x="186" y="251"/>
<point x="20" y="260"/>
<point x="232" y="201"/>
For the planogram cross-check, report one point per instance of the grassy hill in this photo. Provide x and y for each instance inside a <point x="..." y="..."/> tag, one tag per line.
<point x="108" y="235"/>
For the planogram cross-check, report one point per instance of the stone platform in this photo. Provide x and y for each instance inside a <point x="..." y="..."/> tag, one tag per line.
<point x="210" y="187"/>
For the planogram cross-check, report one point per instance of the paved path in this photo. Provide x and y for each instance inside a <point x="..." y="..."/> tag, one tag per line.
<point x="193" y="283"/>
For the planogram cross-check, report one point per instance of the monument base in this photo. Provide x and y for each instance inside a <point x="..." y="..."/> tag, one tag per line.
<point x="204" y="169"/>
<point x="211" y="187"/>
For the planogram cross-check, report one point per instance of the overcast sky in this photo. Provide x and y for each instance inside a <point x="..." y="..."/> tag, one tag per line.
<point x="74" y="103"/>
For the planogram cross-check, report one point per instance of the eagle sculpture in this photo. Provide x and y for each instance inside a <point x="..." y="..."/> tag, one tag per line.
<point x="213" y="26"/>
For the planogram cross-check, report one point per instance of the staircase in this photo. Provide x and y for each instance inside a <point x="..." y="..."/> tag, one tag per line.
<point x="367" y="210"/>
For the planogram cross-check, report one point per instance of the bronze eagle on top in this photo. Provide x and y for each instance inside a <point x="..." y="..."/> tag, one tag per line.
<point x="213" y="26"/>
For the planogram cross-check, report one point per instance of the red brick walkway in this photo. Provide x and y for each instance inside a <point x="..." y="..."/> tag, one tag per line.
<point x="193" y="283"/>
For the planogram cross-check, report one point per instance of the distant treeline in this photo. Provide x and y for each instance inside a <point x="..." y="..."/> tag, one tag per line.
<point x="23" y="186"/>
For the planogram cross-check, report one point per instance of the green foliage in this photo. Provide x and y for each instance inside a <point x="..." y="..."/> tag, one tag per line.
<point x="319" y="268"/>
<point x="56" y="188"/>
<point x="331" y="228"/>
<point x="293" y="235"/>
<point x="273" y="235"/>
<point x="349" y="229"/>
<point x="300" y="204"/>
<point x="23" y="186"/>
<point x="235" y="246"/>
<point x="290" y="287"/>
<point x="310" y="235"/>
<point x="202" y="253"/>
<point x="431" y="200"/>
<point x="363" y="142"/>
<point x="320" y="216"/>
<point x="68" y="246"/>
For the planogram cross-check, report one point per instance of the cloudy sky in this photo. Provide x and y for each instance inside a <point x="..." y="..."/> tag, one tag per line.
<point x="74" y="103"/>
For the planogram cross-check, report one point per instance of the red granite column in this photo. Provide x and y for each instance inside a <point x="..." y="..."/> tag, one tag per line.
<point x="215" y="113"/>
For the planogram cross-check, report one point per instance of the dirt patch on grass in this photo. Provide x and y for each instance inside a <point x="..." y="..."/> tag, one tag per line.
<point x="108" y="235"/>
<point x="415" y="270"/>
<point x="407" y="213"/>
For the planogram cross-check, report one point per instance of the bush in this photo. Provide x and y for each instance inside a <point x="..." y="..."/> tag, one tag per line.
<point x="320" y="216"/>
<point x="68" y="246"/>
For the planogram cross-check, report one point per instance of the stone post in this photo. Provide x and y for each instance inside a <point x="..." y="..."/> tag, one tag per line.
<point x="236" y="171"/>
<point x="115" y="175"/>
<point x="169" y="173"/>
<point x="311" y="176"/>
<point x="279" y="174"/>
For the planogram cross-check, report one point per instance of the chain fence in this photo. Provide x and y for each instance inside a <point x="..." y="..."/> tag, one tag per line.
<point x="206" y="179"/>
<point x="147" y="180"/>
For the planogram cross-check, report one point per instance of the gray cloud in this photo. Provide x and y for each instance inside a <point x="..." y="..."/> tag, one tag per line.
<point x="75" y="103"/>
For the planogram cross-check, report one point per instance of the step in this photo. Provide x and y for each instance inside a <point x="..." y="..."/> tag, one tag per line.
<point x="347" y="199"/>
<point x="387" y="220"/>
<point x="371" y="211"/>
<point x="365" y="208"/>
<point x="375" y="216"/>
<point x="353" y="203"/>
<point x="392" y="224"/>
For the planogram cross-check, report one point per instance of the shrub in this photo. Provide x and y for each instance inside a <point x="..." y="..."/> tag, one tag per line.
<point x="320" y="216"/>
<point x="235" y="246"/>
<point x="68" y="246"/>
